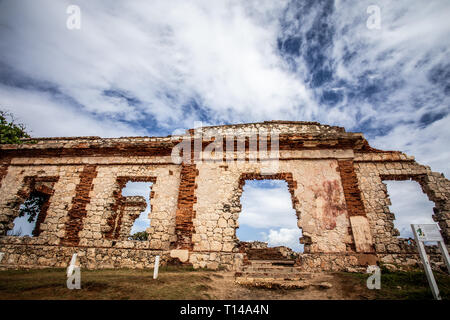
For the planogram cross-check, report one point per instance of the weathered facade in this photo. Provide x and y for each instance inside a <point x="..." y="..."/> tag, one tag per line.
<point x="334" y="177"/>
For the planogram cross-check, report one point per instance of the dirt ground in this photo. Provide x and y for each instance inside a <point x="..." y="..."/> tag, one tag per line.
<point x="171" y="284"/>
<point x="343" y="288"/>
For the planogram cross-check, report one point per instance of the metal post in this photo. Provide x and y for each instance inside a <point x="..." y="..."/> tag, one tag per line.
<point x="156" y="267"/>
<point x="427" y="266"/>
<point x="445" y="254"/>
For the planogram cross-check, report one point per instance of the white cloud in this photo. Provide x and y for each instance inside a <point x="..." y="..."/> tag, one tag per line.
<point x="267" y="214"/>
<point x="164" y="54"/>
<point x="285" y="237"/>
<point x="47" y="117"/>
<point x="429" y="145"/>
<point x="267" y="207"/>
<point x="139" y="189"/>
<point x="409" y="205"/>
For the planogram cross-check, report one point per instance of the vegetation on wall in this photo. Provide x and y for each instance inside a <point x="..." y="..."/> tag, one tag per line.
<point x="10" y="131"/>
<point x="139" y="236"/>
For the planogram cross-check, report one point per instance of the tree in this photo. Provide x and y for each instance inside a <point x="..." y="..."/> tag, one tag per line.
<point x="140" y="236"/>
<point x="11" y="132"/>
<point x="32" y="206"/>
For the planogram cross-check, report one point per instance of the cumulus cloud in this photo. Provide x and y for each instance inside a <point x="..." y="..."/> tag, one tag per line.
<point x="139" y="189"/>
<point x="267" y="207"/>
<point x="48" y="118"/>
<point x="409" y="205"/>
<point x="267" y="214"/>
<point x="150" y="67"/>
<point x="429" y="145"/>
<point x="173" y="62"/>
<point x="284" y="237"/>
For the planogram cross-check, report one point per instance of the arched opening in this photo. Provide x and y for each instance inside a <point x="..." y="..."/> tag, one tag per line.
<point x="267" y="218"/>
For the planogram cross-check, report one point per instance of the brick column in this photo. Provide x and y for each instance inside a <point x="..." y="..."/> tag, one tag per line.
<point x="79" y="202"/>
<point x="362" y="235"/>
<point x="184" y="226"/>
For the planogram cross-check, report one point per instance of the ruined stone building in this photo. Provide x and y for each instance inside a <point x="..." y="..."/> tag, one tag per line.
<point x="334" y="177"/>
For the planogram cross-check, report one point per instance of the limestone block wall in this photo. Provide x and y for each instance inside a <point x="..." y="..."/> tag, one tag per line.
<point x="103" y="209"/>
<point x="131" y="209"/>
<point x="21" y="180"/>
<point x="372" y="170"/>
<point x="317" y="198"/>
<point x="83" y="196"/>
<point x="335" y="180"/>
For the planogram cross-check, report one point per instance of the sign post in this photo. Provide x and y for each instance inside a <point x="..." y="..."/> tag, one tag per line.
<point x="156" y="268"/>
<point x="430" y="232"/>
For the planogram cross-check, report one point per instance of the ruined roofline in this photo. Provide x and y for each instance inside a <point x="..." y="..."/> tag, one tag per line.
<point x="294" y="124"/>
<point x="295" y="135"/>
<point x="274" y="122"/>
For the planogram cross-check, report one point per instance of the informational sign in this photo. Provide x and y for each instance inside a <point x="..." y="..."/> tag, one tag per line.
<point x="428" y="232"/>
<point x="424" y="233"/>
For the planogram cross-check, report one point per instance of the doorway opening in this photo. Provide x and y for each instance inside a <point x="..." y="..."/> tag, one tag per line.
<point x="409" y="205"/>
<point x="267" y="218"/>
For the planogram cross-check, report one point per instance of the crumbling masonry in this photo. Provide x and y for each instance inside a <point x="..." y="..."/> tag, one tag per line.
<point x="334" y="177"/>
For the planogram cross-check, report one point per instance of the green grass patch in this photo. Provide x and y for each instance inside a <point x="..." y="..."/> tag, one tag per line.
<point x="172" y="283"/>
<point x="411" y="285"/>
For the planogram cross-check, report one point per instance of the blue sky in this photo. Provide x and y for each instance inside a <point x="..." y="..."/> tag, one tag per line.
<point x="153" y="67"/>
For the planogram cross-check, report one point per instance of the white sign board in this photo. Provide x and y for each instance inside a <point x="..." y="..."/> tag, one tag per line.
<point x="428" y="232"/>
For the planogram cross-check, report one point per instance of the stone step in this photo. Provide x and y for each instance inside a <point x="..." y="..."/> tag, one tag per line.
<point x="272" y="262"/>
<point x="272" y="276"/>
<point x="281" y="284"/>
<point x="275" y="269"/>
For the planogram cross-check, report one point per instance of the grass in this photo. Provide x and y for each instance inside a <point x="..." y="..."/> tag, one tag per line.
<point x="184" y="282"/>
<point x="411" y="285"/>
<point x="172" y="283"/>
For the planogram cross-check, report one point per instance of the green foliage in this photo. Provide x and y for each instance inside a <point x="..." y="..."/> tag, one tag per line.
<point x="11" y="132"/>
<point x="139" y="236"/>
<point x="32" y="206"/>
<point x="408" y="285"/>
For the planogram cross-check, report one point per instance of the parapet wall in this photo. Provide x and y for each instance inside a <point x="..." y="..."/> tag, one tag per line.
<point x="335" y="180"/>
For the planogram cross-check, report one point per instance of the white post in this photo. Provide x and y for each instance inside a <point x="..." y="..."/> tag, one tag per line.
<point x="156" y="267"/>
<point x="73" y="274"/>
<point x="427" y="266"/>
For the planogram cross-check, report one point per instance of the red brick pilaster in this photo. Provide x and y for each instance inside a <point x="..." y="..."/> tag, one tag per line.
<point x="352" y="193"/>
<point x="79" y="202"/>
<point x="184" y="226"/>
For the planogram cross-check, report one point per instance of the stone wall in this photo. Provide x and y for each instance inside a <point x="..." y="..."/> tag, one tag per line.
<point x="334" y="177"/>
